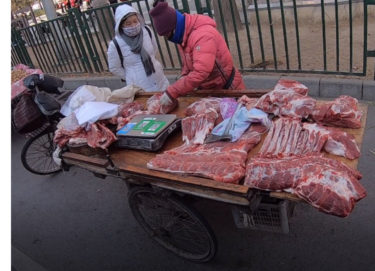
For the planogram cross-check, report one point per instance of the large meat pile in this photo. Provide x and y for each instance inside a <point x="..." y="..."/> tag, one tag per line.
<point x="290" y="158"/>
<point x="220" y="161"/>
<point x="326" y="184"/>
<point x="98" y="134"/>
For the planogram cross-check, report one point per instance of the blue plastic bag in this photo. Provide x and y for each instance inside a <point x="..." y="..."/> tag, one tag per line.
<point x="242" y="121"/>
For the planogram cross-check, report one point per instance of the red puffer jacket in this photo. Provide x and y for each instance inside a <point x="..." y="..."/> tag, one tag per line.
<point x="207" y="61"/>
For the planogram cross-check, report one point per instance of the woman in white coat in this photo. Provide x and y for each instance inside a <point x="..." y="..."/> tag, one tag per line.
<point x="138" y="48"/>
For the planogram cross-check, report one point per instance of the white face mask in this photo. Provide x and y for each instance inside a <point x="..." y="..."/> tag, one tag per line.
<point x="132" y="31"/>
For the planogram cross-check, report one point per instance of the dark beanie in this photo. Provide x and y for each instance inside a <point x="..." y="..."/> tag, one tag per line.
<point x="164" y="18"/>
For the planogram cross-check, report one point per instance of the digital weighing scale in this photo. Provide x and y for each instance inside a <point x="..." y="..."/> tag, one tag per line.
<point x="147" y="132"/>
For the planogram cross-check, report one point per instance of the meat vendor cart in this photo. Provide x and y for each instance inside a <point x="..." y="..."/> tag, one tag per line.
<point x="158" y="199"/>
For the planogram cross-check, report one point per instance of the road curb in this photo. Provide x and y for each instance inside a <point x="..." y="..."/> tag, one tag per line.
<point x="318" y="87"/>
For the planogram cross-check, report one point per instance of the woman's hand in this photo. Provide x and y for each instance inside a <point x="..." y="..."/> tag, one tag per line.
<point x="167" y="103"/>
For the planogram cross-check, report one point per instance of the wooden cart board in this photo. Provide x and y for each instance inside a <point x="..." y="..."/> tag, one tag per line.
<point x="133" y="163"/>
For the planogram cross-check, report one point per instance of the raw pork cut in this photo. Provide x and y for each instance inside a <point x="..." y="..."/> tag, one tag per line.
<point x="99" y="136"/>
<point x="342" y="112"/>
<point x="196" y="127"/>
<point x="221" y="161"/>
<point x="201" y="118"/>
<point x="295" y="86"/>
<point x="288" y="137"/>
<point x="63" y="136"/>
<point x="326" y="184"/>
<point x="289" y="99"/>
<point x="153" y="105"/>
<point x="291" y="137"/>
<point x="201" y="106"/>
<point x="248" y="102"/>
<point x="342" y="144"/>
<point x="126" y="112"/>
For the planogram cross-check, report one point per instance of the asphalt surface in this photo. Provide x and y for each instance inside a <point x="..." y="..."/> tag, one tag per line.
<point x="76" y="221"/>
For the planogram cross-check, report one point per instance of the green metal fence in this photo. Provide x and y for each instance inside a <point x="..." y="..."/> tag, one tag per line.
<point x="283" y="36"/>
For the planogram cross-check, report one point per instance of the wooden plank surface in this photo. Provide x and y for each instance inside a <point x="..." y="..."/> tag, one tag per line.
<point x="135" y="161"/>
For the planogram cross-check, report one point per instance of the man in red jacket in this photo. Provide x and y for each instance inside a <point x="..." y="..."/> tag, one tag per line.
<point x="207" y="61"/>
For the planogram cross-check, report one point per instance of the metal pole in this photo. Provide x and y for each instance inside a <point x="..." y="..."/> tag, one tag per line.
<point x="50" y="9"/>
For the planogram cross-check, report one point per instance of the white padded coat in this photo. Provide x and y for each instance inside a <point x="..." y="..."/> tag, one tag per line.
<point x="133" y="71"/>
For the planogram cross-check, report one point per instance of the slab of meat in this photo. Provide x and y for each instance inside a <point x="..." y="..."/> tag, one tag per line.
<point x="126" y="112"/>
<point x="288" y="137"/>
<point x="288" y="99"/>
<point x="62" y="136"/>
<point x="248" y="102"/>
<point x="153" y="105"/>
<point x="342" y="112"/>
<point x="127" y="109"/>
<point x="220" y="161"/>
<point x="326" y="184"/>
<point x="196" y="127"/>
<point x="342" y="144"/>
<point x="292" y="137"/>
<point x="201" y="106"/>
<point x="99" y="136"/>
<point x="295" y="86"/>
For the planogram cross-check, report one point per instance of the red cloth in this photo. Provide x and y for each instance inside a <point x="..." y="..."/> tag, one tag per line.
<point x="202" y="45"/>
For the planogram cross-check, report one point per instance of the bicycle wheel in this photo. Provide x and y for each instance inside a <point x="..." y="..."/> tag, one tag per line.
<point x="172" y="224"/>
<point x="37" y="153"/>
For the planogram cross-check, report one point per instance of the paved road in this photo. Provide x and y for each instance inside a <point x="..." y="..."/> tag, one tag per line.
<point x="75" y="221"/>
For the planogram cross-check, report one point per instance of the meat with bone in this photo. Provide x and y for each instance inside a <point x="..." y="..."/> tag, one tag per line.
<point x="201" y="106"/>
<point x="342" y="112"/>
<point x="288" y="137"/>
<point x="338" y="142"/>
<point x="248" y="102"/>
<point x="196" y="127"/>
<point x="288" y="99"/>
<point x="295" y="86"/>
<point x="200" y="120"/>
<point x="63" y="136"/>
<point x="126" y="112"/>
<point x="153" y="105"/>
<point x="220" y="161"/>
<point x="291" y="137"/>
<point x="326" y="184"/>
<point x="99" y="136"/>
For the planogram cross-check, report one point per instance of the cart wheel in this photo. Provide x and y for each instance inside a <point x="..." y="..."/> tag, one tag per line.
<point x="37" y="153"/>
<point x="174" y="225"/>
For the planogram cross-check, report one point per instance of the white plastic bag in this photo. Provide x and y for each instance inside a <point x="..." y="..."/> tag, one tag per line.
<point x="69" y="123"/>
<point x="82" y="94"/>
<point x="91" y="112"/>
<point x="123" y="95"/>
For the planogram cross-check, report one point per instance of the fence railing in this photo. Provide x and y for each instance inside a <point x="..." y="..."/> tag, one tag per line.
<point x="323" y="36"/>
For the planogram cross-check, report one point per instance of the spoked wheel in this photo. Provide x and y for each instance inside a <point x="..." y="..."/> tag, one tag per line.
<point x="174" y="225"/>
<point x="37" y="153"/>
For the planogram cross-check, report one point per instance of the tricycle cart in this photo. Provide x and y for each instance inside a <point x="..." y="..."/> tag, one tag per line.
<point x="160" y="201"/>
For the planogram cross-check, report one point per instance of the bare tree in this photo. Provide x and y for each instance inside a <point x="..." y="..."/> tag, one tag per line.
<point x="226" y="14"/>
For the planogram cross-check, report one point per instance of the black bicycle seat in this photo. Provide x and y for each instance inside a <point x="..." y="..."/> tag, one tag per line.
<point x="44" y="82"/>
<point x="47" y="104"/>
